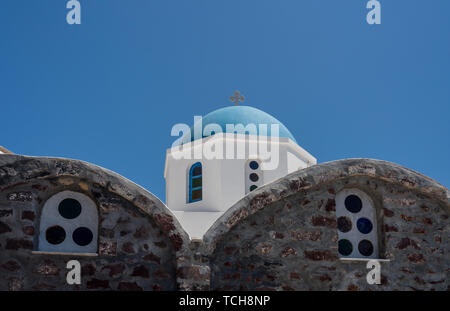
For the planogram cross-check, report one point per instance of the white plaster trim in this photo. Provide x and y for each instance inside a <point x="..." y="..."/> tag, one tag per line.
<point x="64" y="253"/>
<point x="364" y="259"/>
<point x="247" y="138"/>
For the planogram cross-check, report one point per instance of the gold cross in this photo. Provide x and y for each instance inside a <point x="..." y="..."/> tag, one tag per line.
<point x="237" y="98"/>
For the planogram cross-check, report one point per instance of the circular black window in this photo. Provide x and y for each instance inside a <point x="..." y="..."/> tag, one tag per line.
<point x="345" y="247"/>
<point x="69" y="208"/>
<point x="254" y="177"/>
<point x="353" y="203"/>
<point x="253" y="187"/>
<point x="82" y="236"/>
<point x="365" y="248"/>
<point x="254" y="165"/>
<point x="55" y="235"/>
<point x="364" y="225"/>
<point x="344" y="224"/>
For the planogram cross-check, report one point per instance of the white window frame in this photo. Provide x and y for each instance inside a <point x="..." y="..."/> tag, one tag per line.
<point x="50" y="216"/>
<point x="354" y="235"/>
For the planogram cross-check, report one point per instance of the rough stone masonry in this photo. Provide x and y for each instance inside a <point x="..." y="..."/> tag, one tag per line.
<point x="282" y="236"/>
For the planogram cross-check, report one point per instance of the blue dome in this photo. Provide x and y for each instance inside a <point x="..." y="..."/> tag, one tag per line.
<point x="242" y="115"/>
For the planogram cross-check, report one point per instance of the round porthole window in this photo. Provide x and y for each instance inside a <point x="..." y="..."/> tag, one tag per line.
<point x="254" y="177"/>
<point x="253" y="187"/>
<point x="353" y="203"/>
<point x="55" y="235"/>
<point x="69" y="208"/>
<point x="344" y="224"/>
<point x="345" y="247"/>
<point x="82" y="236"/>
<point x="365" y="248"/>
<point x="364" y="225"/>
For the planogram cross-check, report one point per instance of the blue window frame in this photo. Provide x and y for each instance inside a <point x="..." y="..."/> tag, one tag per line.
<point x="195" y="183"/>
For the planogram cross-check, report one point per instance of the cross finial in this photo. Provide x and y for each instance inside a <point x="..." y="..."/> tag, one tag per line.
<point x="237" y="98"/>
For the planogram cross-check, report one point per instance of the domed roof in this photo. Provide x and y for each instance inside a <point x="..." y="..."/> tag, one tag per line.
<point x="241" y="115"/>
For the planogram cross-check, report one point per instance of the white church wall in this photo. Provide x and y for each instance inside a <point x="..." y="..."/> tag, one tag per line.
<point x="224" y="181"/>
<point x="294" y="163"/>
<point x="197" y="223"/>
<point x="233" y="182"/>
<point x="177" y="183"/>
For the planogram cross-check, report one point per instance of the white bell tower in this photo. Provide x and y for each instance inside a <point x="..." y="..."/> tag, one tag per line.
<point x="204" y="178"/>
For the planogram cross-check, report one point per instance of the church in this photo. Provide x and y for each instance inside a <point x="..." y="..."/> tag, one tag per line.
<point x="247" y="208"/>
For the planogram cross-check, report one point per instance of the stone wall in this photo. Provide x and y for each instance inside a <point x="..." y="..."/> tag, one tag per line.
<point x="282" y="236"/>
<point x="139" y="241"/>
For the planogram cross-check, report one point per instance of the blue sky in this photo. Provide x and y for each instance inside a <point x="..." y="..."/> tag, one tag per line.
<point x="108" y="91"/>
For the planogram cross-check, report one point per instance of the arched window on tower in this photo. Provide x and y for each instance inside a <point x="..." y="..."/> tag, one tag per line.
<point x="357" y="225"/>
<point x="195" y="183"/>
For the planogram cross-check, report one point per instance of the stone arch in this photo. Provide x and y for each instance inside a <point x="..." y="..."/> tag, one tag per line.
<point x="139" y="238"/>
<point x="236" y="243"/>
<point x="322" y="174"/>
<point x="15" y="169"/>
